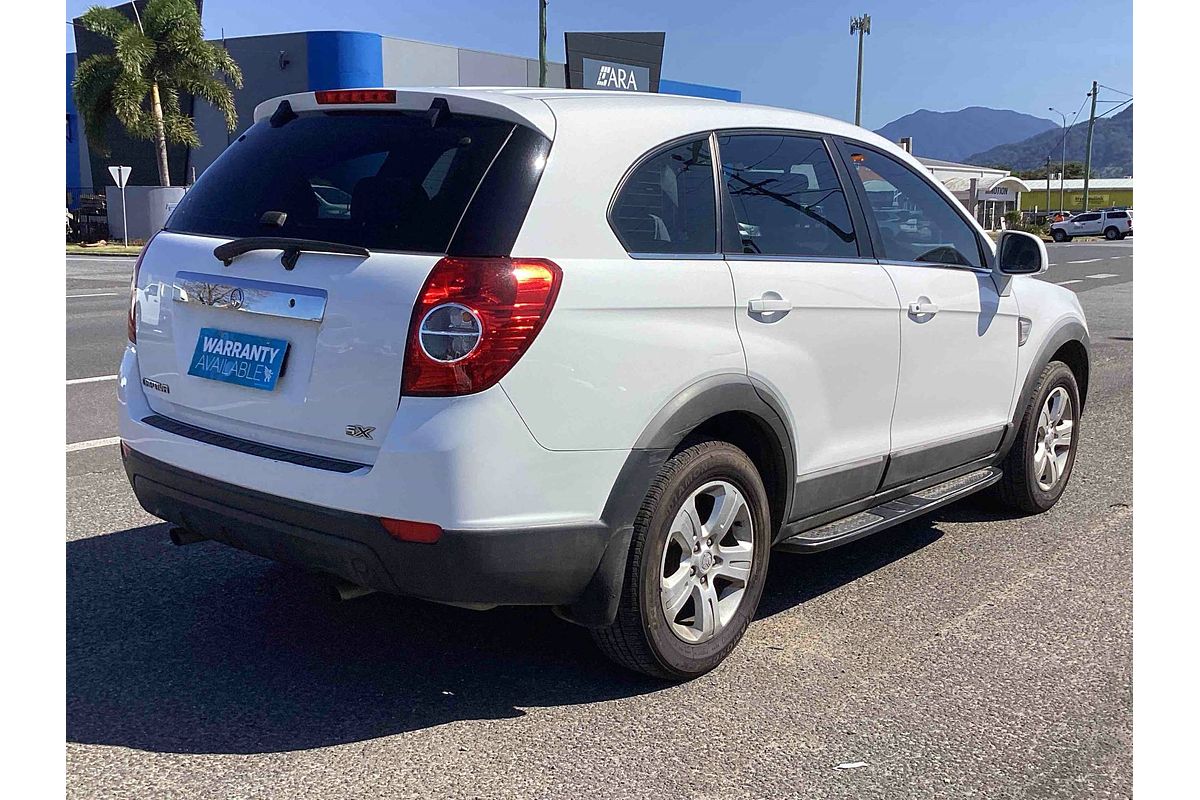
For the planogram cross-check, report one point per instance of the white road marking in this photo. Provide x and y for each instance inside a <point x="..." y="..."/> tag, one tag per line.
<point x="1116" y="258"/>
<point x="98" y="294"/>
<point x="1067" y="283"/>
<point x="1102" y="275"/>
<point x="74" y="446"/>
<point x="97" y="379"/>
<point x="1085" y="261"/>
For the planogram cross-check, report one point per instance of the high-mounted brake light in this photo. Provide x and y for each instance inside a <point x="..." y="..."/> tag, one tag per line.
<point x="131" y="327"/>
<point x="474" y="319"/>
<point x="351" y="96"/>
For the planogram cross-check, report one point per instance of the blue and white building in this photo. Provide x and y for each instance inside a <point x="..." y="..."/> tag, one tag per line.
<point x="283" y="63"/>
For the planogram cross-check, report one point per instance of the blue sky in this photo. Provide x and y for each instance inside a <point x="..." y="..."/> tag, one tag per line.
<point x="1020" y="54"/>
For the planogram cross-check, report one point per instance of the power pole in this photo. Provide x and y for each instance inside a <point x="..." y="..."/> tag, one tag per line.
<point x="542" y="42"/>
<point x="1047" y="181"/>
<point x="861" y="26"/>
<point x="1087" y="163"/>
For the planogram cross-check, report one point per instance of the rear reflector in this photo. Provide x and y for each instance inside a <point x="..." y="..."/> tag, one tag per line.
<point x="406" y="531"/>
<point x="351" y="96"/>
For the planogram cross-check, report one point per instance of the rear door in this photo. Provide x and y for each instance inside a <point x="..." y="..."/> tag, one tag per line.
<point x="958" y="335"/>
<point x="307" y="353"/>
<point x="818" y="318"/>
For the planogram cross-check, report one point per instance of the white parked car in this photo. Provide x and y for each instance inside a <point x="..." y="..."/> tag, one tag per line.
<point x="596" y="351"/>
<point x="1109" y="224"/>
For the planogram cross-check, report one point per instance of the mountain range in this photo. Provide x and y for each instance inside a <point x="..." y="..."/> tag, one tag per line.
<point x="1112" y="148"/>
<point x="956" y="135"/>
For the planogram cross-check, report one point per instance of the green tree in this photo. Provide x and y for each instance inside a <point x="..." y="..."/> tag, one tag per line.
<point x="156" y="58"/>
<point x="1074" y="170"/>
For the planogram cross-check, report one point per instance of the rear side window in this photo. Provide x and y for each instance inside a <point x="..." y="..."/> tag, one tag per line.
<point x="787" y="196"/>
<point x="1086" y="218"/>
<point x="1118" y="215"/>
<point x="668" y="205"/>
<point x="377" y="180"/>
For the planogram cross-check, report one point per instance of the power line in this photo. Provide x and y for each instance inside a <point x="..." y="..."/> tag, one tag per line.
<point x="1074" y="120"/>
<point x="1115" y="108"/>
<point x="1111" y="89"/>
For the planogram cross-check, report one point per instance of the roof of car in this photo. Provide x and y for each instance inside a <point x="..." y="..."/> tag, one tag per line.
<point x="524" y="103"/>
<point x="728" y="113"/>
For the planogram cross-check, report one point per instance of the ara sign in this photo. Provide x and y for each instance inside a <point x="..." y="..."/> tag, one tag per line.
<point x="613" y="76"/>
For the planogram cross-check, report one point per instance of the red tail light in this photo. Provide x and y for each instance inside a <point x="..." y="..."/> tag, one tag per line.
<point x="350" y="96"/>
<point x="474" y="319"/>
<point x="137" y="268"/>
<point x="407" y="531"/>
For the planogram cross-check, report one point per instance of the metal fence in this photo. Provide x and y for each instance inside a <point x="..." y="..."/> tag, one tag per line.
<point x="89" y="216"/>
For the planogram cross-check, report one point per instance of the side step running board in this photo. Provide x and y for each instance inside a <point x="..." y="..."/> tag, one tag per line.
<point x="893" y="512"/>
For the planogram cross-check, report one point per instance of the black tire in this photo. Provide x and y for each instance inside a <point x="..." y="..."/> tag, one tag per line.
<point x="1059" y="235"/>
<point x="1018" y="490"/>
<point x="1112" y="234"/>
<point x="640" y="638"/>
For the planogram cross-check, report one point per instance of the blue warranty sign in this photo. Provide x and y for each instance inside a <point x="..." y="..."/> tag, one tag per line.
<point x="240" y="358"/>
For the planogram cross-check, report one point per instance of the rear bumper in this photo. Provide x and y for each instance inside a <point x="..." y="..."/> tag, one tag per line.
<point x="548" y="565"/>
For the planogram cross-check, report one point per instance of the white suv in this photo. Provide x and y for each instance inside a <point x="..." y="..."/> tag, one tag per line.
<point x="1111" y="225"/>
<point x="588" y="350"/>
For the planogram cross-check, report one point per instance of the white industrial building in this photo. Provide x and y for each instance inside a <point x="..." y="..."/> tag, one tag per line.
<point x="986" y="192"/>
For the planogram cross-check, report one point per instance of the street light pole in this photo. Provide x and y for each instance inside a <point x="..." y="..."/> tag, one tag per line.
<point x="861" y="26"/>
<point x="1062" y="175"/>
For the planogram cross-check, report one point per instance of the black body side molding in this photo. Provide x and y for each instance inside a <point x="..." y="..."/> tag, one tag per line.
<point x="700" y="402"/>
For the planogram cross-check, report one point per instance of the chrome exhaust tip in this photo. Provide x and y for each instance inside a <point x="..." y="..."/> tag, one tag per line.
<point x="345" y="590"/>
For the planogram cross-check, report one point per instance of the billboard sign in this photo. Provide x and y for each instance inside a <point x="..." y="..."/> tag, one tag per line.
<point x="612" y="75"/>
<point x="620" y="61"/>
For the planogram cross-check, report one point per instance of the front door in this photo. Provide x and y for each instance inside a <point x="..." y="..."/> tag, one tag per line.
<point x="958" y="335"/>
<point x="818" y="320"/>
<point x="1086" y="225"/>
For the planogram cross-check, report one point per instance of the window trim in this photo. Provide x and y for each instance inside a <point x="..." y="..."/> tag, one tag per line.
<point x="844" y="144"/>
<point x="638" y="163"/>
<point x="726" y="204"/>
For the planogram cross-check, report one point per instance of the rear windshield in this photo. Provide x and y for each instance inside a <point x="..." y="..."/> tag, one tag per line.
<point x="386" y="180"/>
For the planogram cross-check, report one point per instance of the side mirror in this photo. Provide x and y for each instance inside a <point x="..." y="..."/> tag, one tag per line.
<point x="1021" y="253"/>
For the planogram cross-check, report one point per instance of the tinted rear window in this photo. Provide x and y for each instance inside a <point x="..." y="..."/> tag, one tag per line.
<point x="384" y="180"/>
<point x="1117" y="215"/>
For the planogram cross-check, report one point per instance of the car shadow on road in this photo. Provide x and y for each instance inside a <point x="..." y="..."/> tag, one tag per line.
<point x="204" y="649"/>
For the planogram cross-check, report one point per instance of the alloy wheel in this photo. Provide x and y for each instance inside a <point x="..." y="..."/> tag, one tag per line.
<point x="706" y="562"/>
<point x="1052" y="446"/>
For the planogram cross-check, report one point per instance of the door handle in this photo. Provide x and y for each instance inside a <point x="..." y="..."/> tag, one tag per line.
<point x="769" y="305"/>
<point x="922" y="308"/>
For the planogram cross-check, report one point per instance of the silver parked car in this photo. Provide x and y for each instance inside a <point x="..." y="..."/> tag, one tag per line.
<point x="1109" y="224"/>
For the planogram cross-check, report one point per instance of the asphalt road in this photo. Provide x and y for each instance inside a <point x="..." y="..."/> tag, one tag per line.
<point x="963" y="654"/>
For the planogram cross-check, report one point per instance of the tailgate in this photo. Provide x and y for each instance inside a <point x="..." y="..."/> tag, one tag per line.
<point x="296" y="346"/>
<point x="343" y="321"/>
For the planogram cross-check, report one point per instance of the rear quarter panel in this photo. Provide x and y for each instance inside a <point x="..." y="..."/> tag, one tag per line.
<point x="626" y="335"/>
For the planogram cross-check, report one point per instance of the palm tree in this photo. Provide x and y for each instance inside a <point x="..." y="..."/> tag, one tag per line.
<point x="155" y="59"/>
